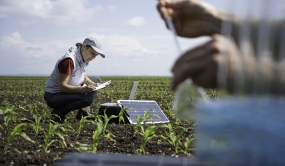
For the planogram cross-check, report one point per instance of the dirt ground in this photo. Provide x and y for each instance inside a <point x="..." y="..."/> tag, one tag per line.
<point x="23" y="152"/>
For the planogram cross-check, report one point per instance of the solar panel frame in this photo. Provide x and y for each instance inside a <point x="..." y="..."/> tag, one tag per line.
<point x="139" y="107"/>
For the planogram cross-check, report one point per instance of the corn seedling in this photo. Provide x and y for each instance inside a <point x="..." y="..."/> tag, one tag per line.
<point x="170" y="113"/>
<point x="18" y="130"/>
<point x="10" y="116"/>
<point x="82" y="122"/>
<point x="187" y="145"/>
<point x="81" y="147"/>
<point x="52" y="131"/>
<point x="121" y="115"/>
<point x="67" y="128"/>
<point x="97" y="135"/>
<point x="141" y="121"/>
<point x="172" y="138"/>
<point x="149" y="134"/>
<point x="37" y="119"/>
<point x="107" y="119"/>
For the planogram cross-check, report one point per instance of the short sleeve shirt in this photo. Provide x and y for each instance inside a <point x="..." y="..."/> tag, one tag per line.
<point x="66" y="66"/>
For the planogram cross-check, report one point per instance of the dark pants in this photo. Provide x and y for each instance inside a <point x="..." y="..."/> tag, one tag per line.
<point x="67" y="102"/>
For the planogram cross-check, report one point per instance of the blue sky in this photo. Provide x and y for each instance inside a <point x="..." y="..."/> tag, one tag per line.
<point x="36" y="33"/>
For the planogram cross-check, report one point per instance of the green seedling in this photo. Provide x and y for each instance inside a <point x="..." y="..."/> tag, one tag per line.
<point x="121" y="115"/>
<point x="67" y="128"/>
<point x="37" y="119"/>
<point x="173" y="139"/>
<point x="97" y="135"/>
<point x="47" y="139"/>
<point x="18" y="130"/>
<point x="141" y="121"/>
<point x="107" y="119"/>
<point x="187" y="145"/>
<point x="82" y="122"/>
<point x="149" y="134"/>
<point x="81" y="147"/>
<point x="10" y="116"/>
<point x="101" y="131"/>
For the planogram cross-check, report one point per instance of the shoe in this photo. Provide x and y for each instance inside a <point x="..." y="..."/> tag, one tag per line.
<point x="57" y="116"/>
<point x="83" y="112"/>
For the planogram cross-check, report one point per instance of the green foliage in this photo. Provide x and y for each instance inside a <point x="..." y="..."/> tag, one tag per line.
<point x="22" y="94"/>
<point x="81" y="147"/>
<point x="101" y="131"/>
<point x="187" y="145"/>
<point x="173" y="138"/>
<point x="98" y="134"/>
<point x="82" y="122"/>
<point x="18" y="130"/>
<point x="53" y="130"/>
<point x="9" y="116"/>
<point x="37" y="118"/>
<point x="121" y="115"/>
<point x="141" y="121"/>
<point x="148" y="134"/>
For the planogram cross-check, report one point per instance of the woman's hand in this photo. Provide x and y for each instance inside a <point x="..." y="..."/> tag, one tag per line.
<point x="191" y="18"/>
<point x="88" y="89"/>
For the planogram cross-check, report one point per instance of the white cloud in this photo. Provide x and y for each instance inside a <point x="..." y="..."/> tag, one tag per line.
<point x="14" y="39"/>
<point x="112" y="7"/>
<point x="118" y="44"/>
<point x="36" y="49"/>
<point x="136" y="22"/>
<point x="59" y="12"/>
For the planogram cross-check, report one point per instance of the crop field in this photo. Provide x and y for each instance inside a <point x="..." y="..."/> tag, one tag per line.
<point x="28" y="136"/>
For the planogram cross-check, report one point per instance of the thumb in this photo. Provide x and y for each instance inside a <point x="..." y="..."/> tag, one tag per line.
<point x="174" y="4"/>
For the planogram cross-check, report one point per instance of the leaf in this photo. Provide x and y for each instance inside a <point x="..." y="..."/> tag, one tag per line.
<point x="24" y="135"/>
<point x="60" y="136"/>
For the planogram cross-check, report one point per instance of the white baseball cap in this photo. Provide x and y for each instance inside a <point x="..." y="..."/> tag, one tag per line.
<point x="91" y="41"/>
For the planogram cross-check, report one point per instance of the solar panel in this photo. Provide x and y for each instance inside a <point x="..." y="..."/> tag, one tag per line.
<point x="139" y="107"/>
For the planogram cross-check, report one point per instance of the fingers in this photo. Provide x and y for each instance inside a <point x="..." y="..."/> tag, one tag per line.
<point x="170" y="7"/>
<point x="166" y="8"/>
<point x="199" y="63"/>
<point x="97" y="84"/>
<point x="89" y="88"/>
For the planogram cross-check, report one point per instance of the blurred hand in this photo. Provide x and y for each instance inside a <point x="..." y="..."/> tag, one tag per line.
<point x="97" y="84"/>
<point x="201" y="63"/>
<point x="191" y="18"/>
<point x="88" y="89"/>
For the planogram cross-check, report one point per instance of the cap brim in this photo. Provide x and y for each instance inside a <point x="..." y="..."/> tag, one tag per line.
<point x="99" y="51"/>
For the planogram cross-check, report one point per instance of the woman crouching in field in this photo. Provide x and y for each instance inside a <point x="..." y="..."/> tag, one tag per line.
<point x="64" y="91"/>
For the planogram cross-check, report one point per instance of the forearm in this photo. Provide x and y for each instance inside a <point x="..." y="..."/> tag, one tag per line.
<point x="88" y="81"/>
<point x="259" y="77"/>
<point x="65" y="88"/>
<point x="258" y="33"/>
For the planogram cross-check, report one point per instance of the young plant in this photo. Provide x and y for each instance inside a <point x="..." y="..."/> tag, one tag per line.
<point x="106" y="120"/>
<point x="141" y="121"/>
<point x="101" y="131"/>
<point x="97" y="135"/>
<point x="82" y="122"/>
<point x="18" y="130"/>
<point x="149" y="134"/>
<point x="10" y="116"/>
<point x="67" y="128"/>
<point x="52" y="131"/>
<point x="174" y="139"/>
<point x="187" y="145"/>
<point x="37" y="119"/>
<point x="121" y="115"/>
<point x="81" y="147"/>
